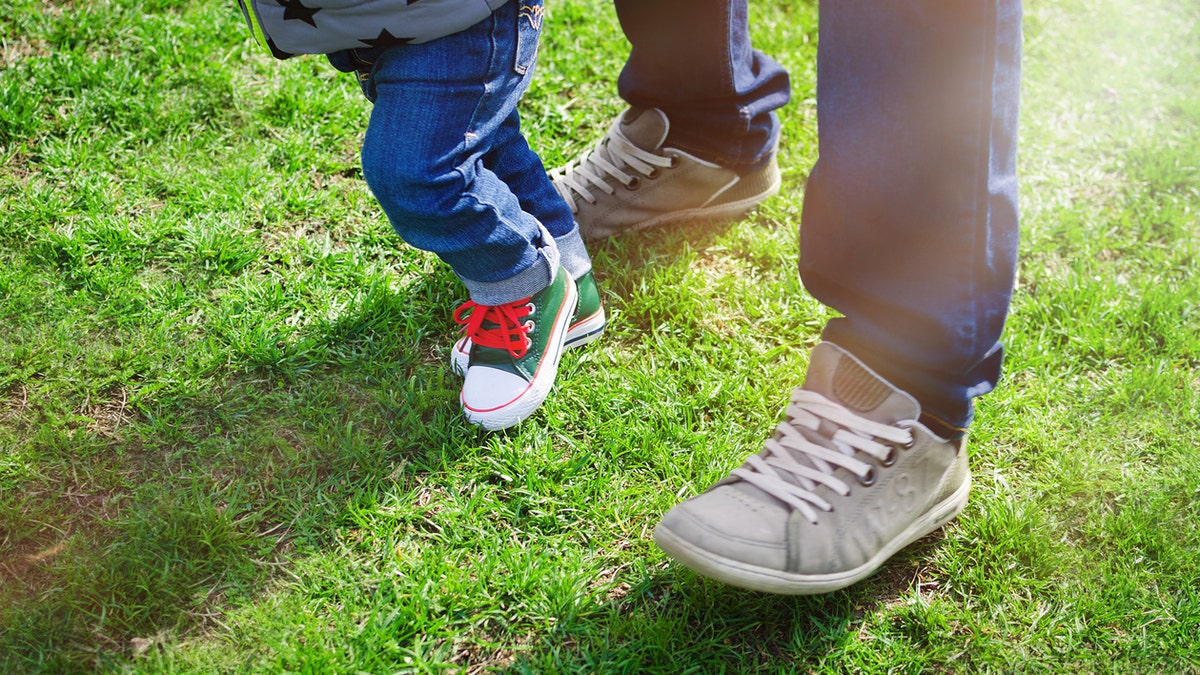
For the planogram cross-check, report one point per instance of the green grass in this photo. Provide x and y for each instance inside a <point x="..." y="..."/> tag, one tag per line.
<point x="229" y="439"/>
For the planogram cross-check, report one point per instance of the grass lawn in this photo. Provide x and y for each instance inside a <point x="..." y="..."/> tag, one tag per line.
<point x="230" y="440"/>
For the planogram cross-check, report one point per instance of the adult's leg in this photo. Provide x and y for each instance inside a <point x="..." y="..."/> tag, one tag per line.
<point x="693" y="60"/>
<point x="910" y="215"/>
<point x="699" y="139"/>
<point x="910" y="230"/>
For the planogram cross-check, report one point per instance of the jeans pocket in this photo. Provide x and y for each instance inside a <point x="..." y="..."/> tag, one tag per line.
<point x="529" y="29"/>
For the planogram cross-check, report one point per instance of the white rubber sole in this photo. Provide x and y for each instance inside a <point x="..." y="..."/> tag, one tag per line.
<point x="753" y="577"/>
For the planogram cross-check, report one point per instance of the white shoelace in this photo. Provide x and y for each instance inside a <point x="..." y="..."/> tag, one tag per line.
<point x="855" y="434"/>
<point x="588" y="171"/>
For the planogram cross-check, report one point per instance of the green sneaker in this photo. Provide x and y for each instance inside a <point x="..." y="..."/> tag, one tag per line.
<point x="850" y="478"/>
<point x="587" y="324"/>
<point x="630" y="181"/>
<point x="514" y="354"/>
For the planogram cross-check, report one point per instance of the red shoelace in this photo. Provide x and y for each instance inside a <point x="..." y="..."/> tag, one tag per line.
<point x="497" y="326"/>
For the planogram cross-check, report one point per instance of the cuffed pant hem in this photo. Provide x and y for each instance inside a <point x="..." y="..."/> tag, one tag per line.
<point x="525" y="283"/>
<point x="575" y="258"/>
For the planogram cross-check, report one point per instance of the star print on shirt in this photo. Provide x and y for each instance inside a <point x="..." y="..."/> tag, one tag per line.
<point x="386" y="39"/>
<point x="295" y="11"/>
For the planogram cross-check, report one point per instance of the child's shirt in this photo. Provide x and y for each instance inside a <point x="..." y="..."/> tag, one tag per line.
<point x="290" y="27"/>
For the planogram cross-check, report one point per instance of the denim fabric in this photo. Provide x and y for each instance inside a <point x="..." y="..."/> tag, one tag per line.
<point x="910" y="224"/>
<point x="909" y="227"/>
<point x="693" y="60"/>
<point x="445" y="157"/>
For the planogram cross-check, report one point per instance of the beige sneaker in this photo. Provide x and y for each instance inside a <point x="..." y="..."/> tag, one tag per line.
<point x="631" y="182"/>
<point x="850" y="478"/>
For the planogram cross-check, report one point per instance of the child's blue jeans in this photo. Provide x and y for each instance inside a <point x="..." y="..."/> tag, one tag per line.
<point x="445" y="157"/>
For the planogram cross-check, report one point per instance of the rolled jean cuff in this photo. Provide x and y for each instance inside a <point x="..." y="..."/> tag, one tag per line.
<point x="525" y="283"/>
<point x="575" y="258"/>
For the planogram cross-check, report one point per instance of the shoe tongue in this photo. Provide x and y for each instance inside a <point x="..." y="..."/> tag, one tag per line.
<point x="645" y="127"/>
<point x="488" y="356"/>
<point x="839" y="376"/>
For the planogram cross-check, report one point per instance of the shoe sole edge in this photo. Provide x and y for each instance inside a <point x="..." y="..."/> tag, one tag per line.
<point x="753" y="577"/>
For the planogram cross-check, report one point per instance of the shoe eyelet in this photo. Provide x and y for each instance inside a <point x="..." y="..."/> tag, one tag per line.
<point x="654" y="173"/>
<point x="890" y="458"/>
<point x="674" y="161"/>
<point x="633" y="184"/>
<point x="912" y="442"/>
<point x="869" y="479"/>
<point x="528" y="326"/>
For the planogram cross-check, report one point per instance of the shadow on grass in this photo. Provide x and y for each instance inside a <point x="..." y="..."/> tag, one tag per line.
<point x="196" y="497"/>
<point x="674" y="621"/>
<point x="627" y="263"/>
<point x="151" y="517"/>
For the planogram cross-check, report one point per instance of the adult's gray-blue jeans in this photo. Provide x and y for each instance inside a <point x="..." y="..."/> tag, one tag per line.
<point x="910" y="224"/>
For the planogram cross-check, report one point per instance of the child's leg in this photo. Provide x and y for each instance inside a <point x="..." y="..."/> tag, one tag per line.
<point x="439" y="107"/>
<point x="518" y="166"/>
<point x="523" y="171"/>
<point x="515" y="163"/>
<point x="443" y="155"/>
